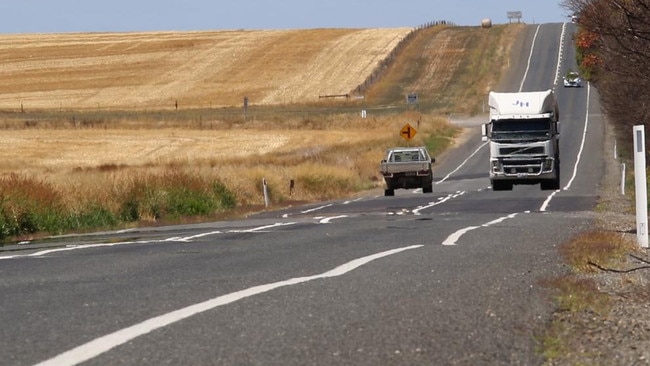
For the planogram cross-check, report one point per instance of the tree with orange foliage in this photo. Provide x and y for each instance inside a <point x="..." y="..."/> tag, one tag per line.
<point x="613" y="42"/>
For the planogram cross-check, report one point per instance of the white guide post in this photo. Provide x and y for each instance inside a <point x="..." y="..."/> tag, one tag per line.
<point x="641" y="188"/>
<point x="265" y="189"/>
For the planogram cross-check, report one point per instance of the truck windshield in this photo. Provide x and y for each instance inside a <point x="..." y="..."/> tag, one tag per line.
<point x="521" y="129"/>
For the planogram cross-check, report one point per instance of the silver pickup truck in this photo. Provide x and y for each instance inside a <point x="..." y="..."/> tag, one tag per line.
<point x="407" y="167"/>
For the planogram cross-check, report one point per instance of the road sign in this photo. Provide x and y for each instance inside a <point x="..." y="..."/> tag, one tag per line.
<point x="412" y="98"/>
<point x="408" y="132"/>
<point x="515" y="15"/>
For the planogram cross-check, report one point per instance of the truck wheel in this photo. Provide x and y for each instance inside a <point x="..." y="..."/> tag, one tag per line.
<point x="427" y="189"/>
<point x="550" y="185"/>
<point x="501" y="185"/>
<point x="389" y="192"/>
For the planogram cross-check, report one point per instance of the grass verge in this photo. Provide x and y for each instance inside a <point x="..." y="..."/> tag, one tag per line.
<point x="57" y="201"/>
<point x="579" y="297"/>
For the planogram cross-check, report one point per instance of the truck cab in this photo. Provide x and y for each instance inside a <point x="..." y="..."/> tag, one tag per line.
<point x="523" y="136"/>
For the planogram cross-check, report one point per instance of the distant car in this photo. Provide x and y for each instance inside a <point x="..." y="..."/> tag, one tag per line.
<point x="572" y="80"/>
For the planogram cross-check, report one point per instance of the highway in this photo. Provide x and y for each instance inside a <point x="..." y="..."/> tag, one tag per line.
<point x="452" y="277"/>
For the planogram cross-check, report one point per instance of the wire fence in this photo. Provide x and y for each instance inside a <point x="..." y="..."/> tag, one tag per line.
<point x="384" y="64"/>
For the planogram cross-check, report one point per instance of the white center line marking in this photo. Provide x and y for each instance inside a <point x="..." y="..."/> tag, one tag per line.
<point x="453" y="238"/>
<point x="103" y="344"/>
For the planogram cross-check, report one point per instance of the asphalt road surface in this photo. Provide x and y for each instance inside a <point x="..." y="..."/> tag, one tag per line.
<point x="452" y="277"/>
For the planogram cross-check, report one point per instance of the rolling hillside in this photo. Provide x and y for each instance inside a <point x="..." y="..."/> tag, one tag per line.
<point x="451" y="68"/>
<point x="195" y="69"/>
<point x="93" y="114"/>
<point x="153" y="71"/>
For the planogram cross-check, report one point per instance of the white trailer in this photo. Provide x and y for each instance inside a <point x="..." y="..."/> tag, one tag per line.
<point x="524" y="139"/>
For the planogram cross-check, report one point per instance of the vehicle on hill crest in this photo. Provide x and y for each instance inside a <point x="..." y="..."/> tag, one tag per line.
<point x="572" y="80"/>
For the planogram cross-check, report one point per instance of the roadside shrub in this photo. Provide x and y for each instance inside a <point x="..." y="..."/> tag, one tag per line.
<point x="28" y="205"/>
<point x="172" y="195"/>
<point x="227" y="198"/>
<point x="93" y="217"/>
<point x="326" y="183"/>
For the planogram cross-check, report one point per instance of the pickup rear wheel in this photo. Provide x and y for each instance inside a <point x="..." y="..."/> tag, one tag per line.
<point x="389" y="192"/>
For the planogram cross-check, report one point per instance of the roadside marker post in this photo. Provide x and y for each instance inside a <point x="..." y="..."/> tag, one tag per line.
<point x="641" y="188"/>
<point x="266" y="192"/>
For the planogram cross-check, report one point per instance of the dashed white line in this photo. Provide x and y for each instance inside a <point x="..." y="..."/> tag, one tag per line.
<point x="327" y="220"/>
<point x="441" y="200"/>
<point x="453" y="238"/>
<point x="316" y="208"/>
<point x="170" y="239"/>
<point x="530" y="57"/>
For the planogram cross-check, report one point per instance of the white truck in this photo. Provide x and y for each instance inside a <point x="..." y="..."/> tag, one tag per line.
<point x="407" y="167"/>
<point x="524" y="139"/>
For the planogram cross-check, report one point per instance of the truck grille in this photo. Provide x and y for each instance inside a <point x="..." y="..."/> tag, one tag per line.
<point x="522" y="151"/>
<point x="523" y="166"/>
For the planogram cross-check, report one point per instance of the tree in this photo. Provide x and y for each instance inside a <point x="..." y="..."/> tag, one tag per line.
<point x="613" y="43"/>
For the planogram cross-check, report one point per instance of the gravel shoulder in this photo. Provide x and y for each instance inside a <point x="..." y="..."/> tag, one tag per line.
<point x="621" y="335"/>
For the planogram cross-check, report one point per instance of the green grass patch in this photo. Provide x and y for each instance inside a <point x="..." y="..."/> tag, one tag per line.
<point x="29" y="206"/>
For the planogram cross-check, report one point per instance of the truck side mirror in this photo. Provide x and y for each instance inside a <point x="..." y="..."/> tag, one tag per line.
<point x="433" y="160"/>
<point x="484" y="132"/>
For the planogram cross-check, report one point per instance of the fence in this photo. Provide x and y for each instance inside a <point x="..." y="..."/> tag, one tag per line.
<point x="384" y="64"/>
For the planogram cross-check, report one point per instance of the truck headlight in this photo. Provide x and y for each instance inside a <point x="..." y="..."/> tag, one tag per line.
<point x="496" y="166"/>
<point x="548" y="164"/>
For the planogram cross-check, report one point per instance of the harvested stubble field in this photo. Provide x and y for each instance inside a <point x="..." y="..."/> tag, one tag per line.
<point x="196" y="69"/>
<point x="98" y="121"/>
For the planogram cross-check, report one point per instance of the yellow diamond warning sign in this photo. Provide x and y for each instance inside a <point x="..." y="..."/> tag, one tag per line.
<point x="408" y="132"/>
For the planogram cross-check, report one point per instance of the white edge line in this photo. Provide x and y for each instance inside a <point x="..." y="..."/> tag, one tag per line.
<point x="560" y="59"/>
<point x="105" y="343"/>
<point x="530" y="57"/>
<point x="584" y="138"/>
<point x="560" y="56"/>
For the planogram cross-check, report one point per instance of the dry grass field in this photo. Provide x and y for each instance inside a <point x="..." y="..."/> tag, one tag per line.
<point x="195" y="69"/>
<point x="95" y="121"/>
